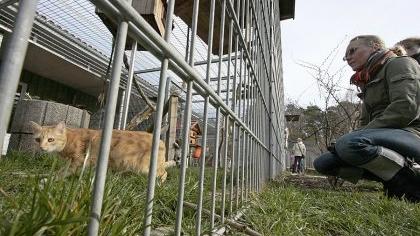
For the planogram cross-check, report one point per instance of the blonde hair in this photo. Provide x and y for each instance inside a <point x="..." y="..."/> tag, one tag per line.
<point x="410" y="42"/>
<point x="399" y="50"/>
<point x="370" y="40"/>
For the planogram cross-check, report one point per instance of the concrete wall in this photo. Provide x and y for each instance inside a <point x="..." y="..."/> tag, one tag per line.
<point x="43" y="113"/>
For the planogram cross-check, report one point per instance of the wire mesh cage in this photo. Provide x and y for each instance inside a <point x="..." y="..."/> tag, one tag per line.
<point x="219" y="109"/>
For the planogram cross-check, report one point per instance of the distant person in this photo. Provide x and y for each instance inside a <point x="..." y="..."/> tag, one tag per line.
<point x="299" y="152"/>
<point x="386" y="148"/>
<point x="411" y="47"/>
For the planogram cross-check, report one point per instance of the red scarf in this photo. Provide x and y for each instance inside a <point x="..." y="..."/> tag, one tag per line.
<point x="371" y="68"/>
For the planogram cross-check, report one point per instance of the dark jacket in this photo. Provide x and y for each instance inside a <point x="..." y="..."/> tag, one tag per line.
<point x="392" y="98"/>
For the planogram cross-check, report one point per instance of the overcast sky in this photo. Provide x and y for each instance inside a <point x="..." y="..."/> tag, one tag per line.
<point x="319" y="27"/>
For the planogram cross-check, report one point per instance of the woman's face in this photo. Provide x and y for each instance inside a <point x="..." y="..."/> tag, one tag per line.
<point x="357" y="54"/>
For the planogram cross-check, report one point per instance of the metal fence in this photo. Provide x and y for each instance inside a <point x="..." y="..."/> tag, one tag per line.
<point x="247" y="103"/>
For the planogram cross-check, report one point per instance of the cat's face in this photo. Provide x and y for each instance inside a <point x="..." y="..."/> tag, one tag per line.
<point x="50" y="138"/>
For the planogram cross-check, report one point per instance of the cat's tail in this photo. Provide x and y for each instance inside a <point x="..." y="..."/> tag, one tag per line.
<point x="170" y="163"/>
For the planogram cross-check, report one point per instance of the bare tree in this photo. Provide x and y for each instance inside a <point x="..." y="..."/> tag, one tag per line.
<point x="339" y="113"/>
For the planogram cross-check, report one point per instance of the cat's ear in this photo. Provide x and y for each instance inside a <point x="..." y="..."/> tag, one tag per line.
<point x="61" y="127"/>
<point x="35" y="127"/>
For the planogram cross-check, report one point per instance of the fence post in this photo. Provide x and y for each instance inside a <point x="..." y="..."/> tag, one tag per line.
<point x="205" y="122"/>
<point x="106" y="137"/>
<point x="186" y="124"/>
<point x="271" y="79"/>
<point x="172" y="122"/>
<point x="12" y="61"/>
<point x="158" y="120"/>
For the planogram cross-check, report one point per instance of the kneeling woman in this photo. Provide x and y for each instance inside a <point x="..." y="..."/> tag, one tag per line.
<point x="387" y="146"/>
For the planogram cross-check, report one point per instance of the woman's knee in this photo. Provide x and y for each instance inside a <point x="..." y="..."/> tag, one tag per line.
<point x="319" y="165"/>
<point x="327" y="164"/>
<point x="355" y="149"/>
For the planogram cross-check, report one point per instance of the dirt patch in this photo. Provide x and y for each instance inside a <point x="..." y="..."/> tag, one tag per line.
<point x="321" y="182"/>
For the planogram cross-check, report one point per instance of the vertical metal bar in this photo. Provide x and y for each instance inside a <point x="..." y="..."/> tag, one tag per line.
<point x="279" y="131"/>
<point x="278" y="78"/>
<point x="120" y="110"/>
<point x="215" y="167"/>
<point x="257" y="150"/>
<point x="263" y="169"/>
<point x="165" y="118"/>
<point x="157" y="126"/>
<point x="262" y="157"/>
<point x="270" y="99"/>
<point x="253" y="98"/>
<point x="12" y="61"/>
<point x="257" y="119"/>
<point x="249" y="98"/>
<point x="259" y="97"/>
<point x="266" y="153"/>
<point x="221" y="39"/>
<point x="232" y="158"/>
<point x="260" y="110"/>
<point x="168" y="89"/>
<point x="259" y="155"/>
<point x="129" y="84"/>
<point x="205" y="120"/>
<point x="254" y="122"/>
<point x="261" y="124"/>
<point x="246" y="97"/>
<point x="236" y="129"/>
<point x="241" y="102"/>
<point x="255" y="108"/>
<point x="101" y="169"/>
<point x="251" y="106"/>
<point x="187" y="124"/>
<point x="225" y="168"/>
<point x="233" y="169"/>
<point x="184" y="84"/>
<point x="185" y="151"/>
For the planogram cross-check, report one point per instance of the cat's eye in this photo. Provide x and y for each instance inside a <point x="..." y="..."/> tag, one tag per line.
<point x="38" y="140"/>
<point x="50" y="140"/>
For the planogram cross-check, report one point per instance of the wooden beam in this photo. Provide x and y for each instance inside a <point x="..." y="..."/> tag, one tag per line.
<point x="171" y="133"/>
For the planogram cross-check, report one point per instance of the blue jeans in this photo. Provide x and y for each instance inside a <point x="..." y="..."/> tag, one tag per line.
<point x="298" y="166"/>
<point x="360" y="147"/>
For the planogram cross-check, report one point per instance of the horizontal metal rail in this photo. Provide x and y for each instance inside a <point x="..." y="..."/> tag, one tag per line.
<point x="198" y="63"/>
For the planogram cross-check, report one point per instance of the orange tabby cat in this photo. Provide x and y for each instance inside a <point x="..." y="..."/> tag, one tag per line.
<point x="130" y="150"/>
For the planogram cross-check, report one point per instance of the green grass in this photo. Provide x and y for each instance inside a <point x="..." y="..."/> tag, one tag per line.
<point x="290" y="208"/>
<point x="62" y="206"/>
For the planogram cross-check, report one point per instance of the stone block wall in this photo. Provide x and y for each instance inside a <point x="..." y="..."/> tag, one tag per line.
<point x="43" y="113"/>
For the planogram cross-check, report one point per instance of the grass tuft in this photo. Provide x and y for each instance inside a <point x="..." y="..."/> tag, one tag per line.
<point x="34" y="201"/>
<point x="286" y="207"/>
<point x="299" y="205"/>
